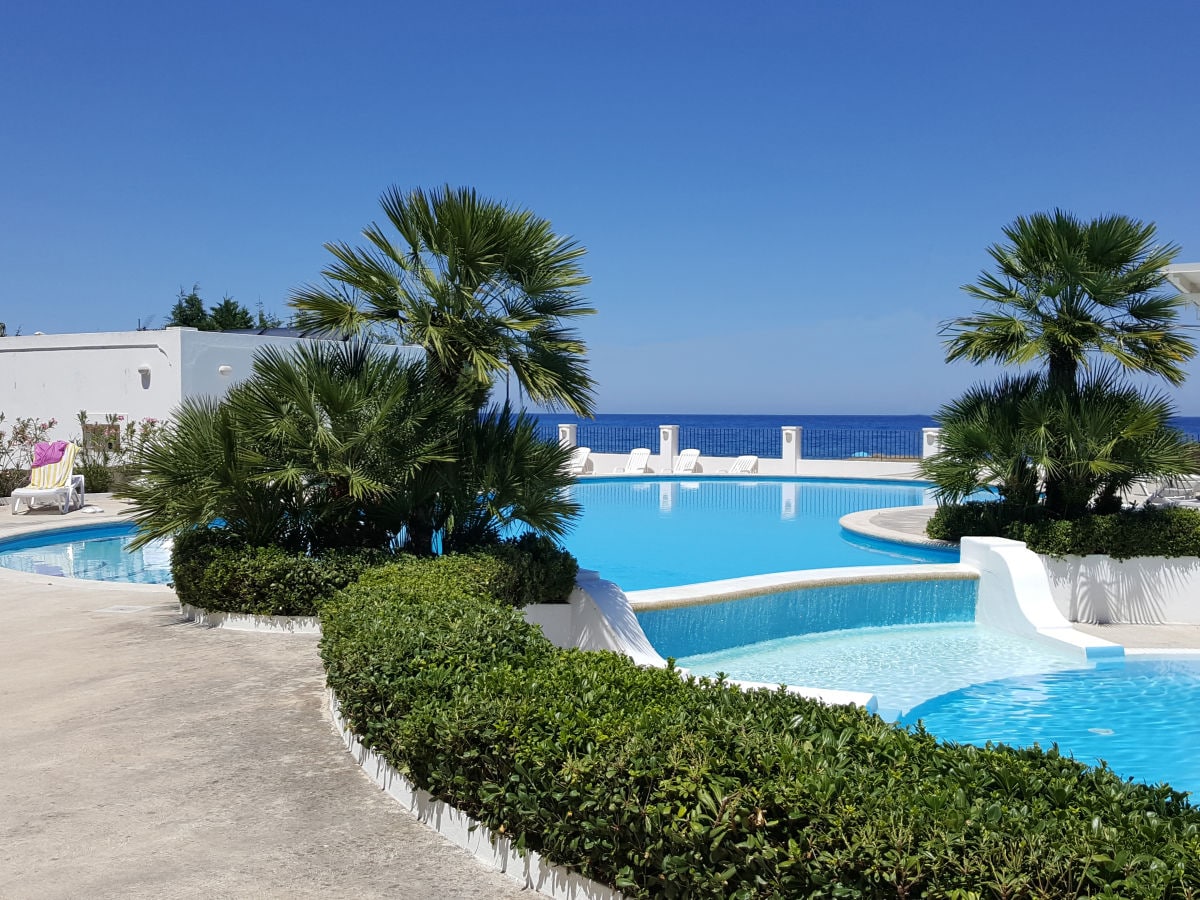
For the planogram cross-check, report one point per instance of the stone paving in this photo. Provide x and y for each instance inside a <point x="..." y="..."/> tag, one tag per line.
<point x="142" y="757"/>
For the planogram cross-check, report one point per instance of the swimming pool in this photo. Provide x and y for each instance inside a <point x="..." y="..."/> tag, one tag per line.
<point x="92" y="552"/>
<point x="1138" y="715"/>
<point x="651" y="533"/>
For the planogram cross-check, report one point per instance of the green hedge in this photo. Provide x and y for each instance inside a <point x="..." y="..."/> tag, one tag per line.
<point x="669" y="787"/>
<point x="213" y="571"/>
<point x="1124" y="535"/>
<point x="11" y="479"/>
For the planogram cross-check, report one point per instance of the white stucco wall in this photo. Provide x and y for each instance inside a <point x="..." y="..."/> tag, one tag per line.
<point x="1149" y="590"/>
<point x="54" y="376"/>
<point x="57" y="375"/>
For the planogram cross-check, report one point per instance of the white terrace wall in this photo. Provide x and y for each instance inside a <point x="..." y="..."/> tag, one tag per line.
<point x="135" y="374"/>
<point x="1151" y="590"/>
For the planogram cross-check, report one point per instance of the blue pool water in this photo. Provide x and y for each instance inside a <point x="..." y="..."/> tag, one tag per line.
<point x="670" y="531"/>
<point x="1140" y="716"/>
<point x="97" y="552"/>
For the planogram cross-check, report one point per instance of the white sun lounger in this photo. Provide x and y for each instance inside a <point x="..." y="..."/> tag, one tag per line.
<point x="580" y="464"/>
<point x="56" y="482"/>
<point x="686" y="462"/>
<point x="744" y="465"/>
<point x="639" y="462"/>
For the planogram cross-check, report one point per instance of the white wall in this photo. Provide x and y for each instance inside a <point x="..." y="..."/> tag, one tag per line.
<point x="57" y="375"/>
<point x="1149" y="590"/>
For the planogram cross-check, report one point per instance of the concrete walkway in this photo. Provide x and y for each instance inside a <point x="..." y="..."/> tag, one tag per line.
<point x="142" y="757"/>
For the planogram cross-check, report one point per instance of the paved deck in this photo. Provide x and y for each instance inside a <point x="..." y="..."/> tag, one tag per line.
<point x="143" y="757"/>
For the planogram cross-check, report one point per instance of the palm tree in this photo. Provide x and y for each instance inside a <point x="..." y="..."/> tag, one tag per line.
<point x="1065" y="290"/>
<point x="1088" y="446"/>
<point x="484" y="287"/>
<point x="345" y="446"/>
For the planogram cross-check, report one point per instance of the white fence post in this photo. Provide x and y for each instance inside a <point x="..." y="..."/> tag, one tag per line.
<point x="668" y="445"/>
<point x="931" y="442"/>
<point x="568" y="436"/>
<point x="791" y="447"/>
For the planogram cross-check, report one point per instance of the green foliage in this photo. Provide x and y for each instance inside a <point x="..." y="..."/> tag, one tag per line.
<point x="341" y="446"/>
<point x="11" y="479"/>
<point x="1087" y="446"/>
<point x="954" y="521"/>
<point x="670" y="787"/>
<point x="1124" y="535"/>
<point x="485" y="288"/>
<point x="213" y="570"/>
<point x="228" y="315"/>
<point x="1130" y="533"/>
<point x="1064" y="289"/>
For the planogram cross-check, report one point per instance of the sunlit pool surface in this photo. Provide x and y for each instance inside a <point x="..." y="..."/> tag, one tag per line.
<point x="96" y="553"/>
<point x="901" y="665"/>
<point x="1140" y="716"/>
<point x="665" y="532"/>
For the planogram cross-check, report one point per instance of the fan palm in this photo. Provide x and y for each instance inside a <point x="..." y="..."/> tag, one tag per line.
<point x="1064" y="290"/>
<point x="1087" y="446"/>
<point x="483" y="287"/>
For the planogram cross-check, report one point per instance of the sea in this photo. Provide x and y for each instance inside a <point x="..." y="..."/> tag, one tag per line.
<point x="822" y="437"/>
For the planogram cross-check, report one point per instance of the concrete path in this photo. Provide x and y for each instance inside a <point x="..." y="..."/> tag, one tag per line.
<point x="142" y="757"/>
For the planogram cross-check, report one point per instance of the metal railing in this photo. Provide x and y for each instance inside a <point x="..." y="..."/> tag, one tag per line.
<point x="830" y="443"/>
<point x="713" y="440"/>
<point x="617" y="438"/>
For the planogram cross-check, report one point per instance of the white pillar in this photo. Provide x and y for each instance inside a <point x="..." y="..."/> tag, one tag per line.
<point x="931" y="442"/>
<point x="668" y="445"/>
<point x="568" y="436"/>
<point x="791" y="447"/>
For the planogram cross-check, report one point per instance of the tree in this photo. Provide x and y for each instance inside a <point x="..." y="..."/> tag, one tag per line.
<point x="189" y="312"/>
<point x="229" y="315"/>
<point x="1064" y="290"/>
<point x="1091" y="444"/>
<point x="343" y="445"/>
<point x="483" y="287"/>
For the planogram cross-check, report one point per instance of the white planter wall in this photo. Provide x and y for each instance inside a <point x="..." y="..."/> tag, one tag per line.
<point x="1148" y="590"/>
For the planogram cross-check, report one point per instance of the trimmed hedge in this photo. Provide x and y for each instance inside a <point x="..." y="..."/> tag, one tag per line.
<point x="669" y="787"/>
<point x="213" y="570"/>
<point x="11" y="479"/>
<point x="1130" y="533"/>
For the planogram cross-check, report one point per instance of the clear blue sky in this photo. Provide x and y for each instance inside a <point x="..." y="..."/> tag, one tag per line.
<point x="780" y="201"/>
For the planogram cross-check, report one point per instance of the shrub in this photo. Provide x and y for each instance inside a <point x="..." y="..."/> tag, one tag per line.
<point x="97" y="478"/>
<point x="669" y="787"/>
<point x="214" y="571"/>
<point x="1123" y="535"/>
<point x="953" y="521"/>
<point x="11" y="479"/>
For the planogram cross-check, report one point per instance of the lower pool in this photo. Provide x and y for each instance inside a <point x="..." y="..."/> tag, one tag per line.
<point x="1139" y="716"/>
<point x="94" y="552"/>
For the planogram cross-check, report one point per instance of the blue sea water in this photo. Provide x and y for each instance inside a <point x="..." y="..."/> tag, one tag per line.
<point x="823" y="436"/>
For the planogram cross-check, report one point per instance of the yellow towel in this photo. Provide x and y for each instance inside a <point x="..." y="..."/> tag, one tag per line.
<point x="56" y="474"/>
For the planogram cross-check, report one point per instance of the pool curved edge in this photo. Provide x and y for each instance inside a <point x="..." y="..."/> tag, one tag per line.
<point x="754" y="585"/>
<point x="862" y="523"/>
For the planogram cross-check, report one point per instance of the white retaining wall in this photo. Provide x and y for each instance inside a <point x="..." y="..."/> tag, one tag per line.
<point x="1015" y="596"/>
<point x="1101" y="590"/>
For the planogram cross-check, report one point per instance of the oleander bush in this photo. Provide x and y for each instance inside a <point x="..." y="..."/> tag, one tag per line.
<point x="1123" y="535"/>
<point x="665" y="786"/>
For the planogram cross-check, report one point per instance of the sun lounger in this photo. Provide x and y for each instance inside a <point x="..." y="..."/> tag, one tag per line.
<point x="579" y="463"/>
<point x="639" y="462"/>
<point x="686" y="462"/>
<point x="55" y="482"/>
<point x="743" y="465"/>
<point x="1183" y="491"/>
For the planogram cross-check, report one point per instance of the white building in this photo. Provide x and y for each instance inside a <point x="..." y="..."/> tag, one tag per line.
<point x="133" y="374"/>
<point x="1185" y="277"/>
